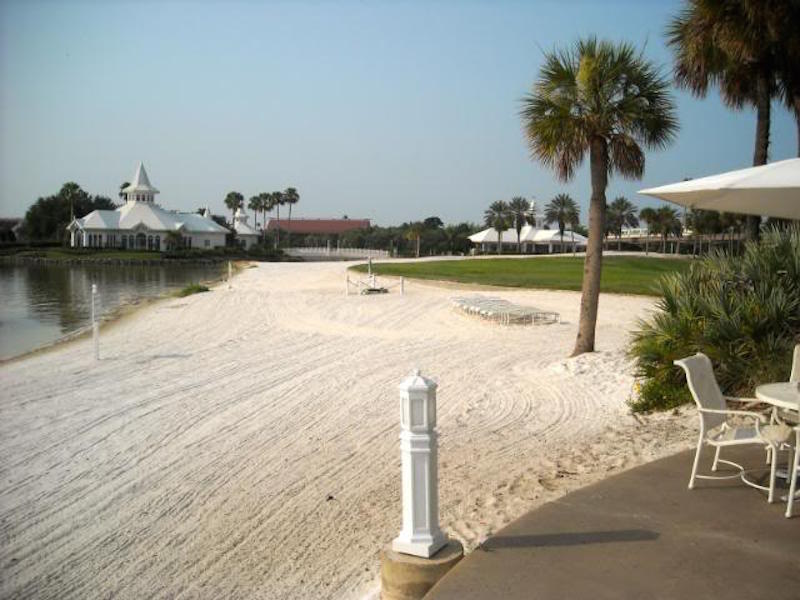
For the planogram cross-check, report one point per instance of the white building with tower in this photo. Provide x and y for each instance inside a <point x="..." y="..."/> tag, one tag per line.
<point x="141" y="224"/>
<point x="246" y="236"/>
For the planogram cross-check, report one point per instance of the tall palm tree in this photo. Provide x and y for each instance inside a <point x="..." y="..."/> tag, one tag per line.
<point x="561" y="209"/>
<point x="234" y="201"/>
<point x="732" y="45"/>
<point x="574" y="219"/>
<point x="621" y="214"/>
<point x="498" y="217"/>
<point x="267" y="205"/>
<point x="648" y="215"/>
<point x="414" y="234"/>
<point x="519" y="209"/>
<point x="668" y="223"/>
<point x="278" y="201"/>
<point x="254" y="204"/>
<point x="290" y="197"/>
<point x="121" y="194"/>
<point x="607" y="100"/>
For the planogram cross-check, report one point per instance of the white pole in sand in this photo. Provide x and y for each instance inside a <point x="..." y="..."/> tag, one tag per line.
<point x="230" y="274"/>
<point x="346" y="284"/>
<point x="421" y="535"/>
<point x="95" y="326"/>
<point x="402" y="286"/>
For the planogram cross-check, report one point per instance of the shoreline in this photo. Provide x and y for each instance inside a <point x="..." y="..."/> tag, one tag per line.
<point x="115" y="317"/>
<point x="244" y="442"/>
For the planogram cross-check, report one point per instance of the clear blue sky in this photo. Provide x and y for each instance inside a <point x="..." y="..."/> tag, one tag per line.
<point x="392" y="111"/>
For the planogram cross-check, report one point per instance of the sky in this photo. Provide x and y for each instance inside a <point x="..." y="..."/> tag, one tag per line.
<point x="393" y="111"/>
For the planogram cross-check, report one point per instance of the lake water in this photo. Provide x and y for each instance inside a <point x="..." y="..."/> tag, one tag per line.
<point x="40" y="304"/>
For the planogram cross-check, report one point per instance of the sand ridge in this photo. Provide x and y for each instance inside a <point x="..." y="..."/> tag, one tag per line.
<point x="243" y="443"/>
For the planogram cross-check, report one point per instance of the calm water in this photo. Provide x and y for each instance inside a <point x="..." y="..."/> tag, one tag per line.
<point x="42" y="303"/>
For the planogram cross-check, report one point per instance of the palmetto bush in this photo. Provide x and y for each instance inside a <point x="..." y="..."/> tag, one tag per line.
<point x="742" y="311"/>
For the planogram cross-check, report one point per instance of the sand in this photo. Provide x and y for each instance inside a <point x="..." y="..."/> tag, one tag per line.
<point x="243" y="443"/>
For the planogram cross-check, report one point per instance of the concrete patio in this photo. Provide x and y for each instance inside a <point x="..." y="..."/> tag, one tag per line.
<point x="641" y="534"/>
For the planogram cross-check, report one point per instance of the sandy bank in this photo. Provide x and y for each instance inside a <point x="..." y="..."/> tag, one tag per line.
<point x="243" y="442"/>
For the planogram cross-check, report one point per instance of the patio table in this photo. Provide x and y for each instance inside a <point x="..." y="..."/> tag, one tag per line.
<point x="786" y="395"/>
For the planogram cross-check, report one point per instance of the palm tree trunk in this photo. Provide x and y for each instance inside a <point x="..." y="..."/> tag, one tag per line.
<point x="289" y="232"/>
<point x="593" y="263"/>
<point x="619" y="243"/>
<point x="762" y="141"/>
<point x="418" y="245"/>
<point x="278" y="228"/>
<point x="519" y="243"/>
<point x="499" y="241"/>
<point x="796" y="102"/>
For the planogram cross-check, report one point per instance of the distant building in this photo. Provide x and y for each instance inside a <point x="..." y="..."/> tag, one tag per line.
<point x="318" y="226"/>
<point x="246" y="236"/>
<point x="533" y="240"/>
<point x="141" y="224"/>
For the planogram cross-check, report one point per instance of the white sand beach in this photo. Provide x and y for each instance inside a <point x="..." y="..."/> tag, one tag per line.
<point x="243" y="443"/>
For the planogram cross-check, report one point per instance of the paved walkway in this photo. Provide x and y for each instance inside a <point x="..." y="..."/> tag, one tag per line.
<point x="641" y="534"/>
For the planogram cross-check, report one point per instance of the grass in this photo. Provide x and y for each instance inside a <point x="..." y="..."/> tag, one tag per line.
<point x="192" y="288"/>
<point x="621" y="274"/>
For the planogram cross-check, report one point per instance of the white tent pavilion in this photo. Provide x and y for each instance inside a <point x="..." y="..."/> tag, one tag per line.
<point x="533" y="240"/>
<point x="770" y="190"/>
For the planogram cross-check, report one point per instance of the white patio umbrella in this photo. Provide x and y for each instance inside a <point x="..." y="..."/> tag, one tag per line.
<point x="771" y="190"/>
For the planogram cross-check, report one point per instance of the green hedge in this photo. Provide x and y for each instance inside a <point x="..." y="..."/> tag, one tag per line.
<point x="742" y="311"/>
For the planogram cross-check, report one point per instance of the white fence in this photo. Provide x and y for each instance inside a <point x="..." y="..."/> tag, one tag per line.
<point x="327" y="252"/>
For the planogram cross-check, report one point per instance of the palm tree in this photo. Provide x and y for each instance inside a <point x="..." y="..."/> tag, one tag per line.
<point x="561" y="210"/>
<point x="574" y="220"/>
<point x="234" y="201"/>
<point x="649" y="216"/>
<point x="121" y="194"/>
<point x="290" y="197"/>
<point x="668" y="222"/>
<point x="733" y="45"/>
<point x="607" y="100"/>
<point x="267" y="204"/>
<point x="498" y="217"/>
<point x="519" y="208"/>
<point x="278" y="201"/>
<point x="413" y="234"/>
<point x="173" y="240"/>
<point x="621" y="214"/>
<point x="254" y="204"/>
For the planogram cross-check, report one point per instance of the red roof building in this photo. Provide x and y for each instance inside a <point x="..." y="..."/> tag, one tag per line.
<point x="318" y="226"/>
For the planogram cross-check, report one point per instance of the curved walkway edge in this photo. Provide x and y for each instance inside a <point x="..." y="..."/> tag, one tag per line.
<point x="641" y="534"/>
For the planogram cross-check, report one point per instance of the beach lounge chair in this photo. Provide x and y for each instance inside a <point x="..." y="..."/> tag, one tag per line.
<point x="716" y="430"/>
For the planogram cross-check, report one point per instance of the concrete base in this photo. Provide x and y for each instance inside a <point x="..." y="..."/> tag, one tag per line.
<point x="405" y="577"/>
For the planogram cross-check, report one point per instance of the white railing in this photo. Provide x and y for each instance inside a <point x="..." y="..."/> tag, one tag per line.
<point x="324" y="251"/>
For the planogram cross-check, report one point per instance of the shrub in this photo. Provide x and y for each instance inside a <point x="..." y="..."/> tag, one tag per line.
<point x="742" y="311"/>
<point x="192" y="288"/>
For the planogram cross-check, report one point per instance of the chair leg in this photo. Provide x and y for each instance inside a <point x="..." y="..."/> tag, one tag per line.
<point x="773" y="469"/>
<point x="696" y="461"/>
<point x="716" y="459"/>
<point x="793" y="484"/>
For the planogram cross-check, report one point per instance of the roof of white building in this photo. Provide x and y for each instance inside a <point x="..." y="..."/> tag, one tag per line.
<point x="528" y="234"/>
<point x="141" y="182"/>
<point x="240" y="224"/>
<point x="149" y="216"/>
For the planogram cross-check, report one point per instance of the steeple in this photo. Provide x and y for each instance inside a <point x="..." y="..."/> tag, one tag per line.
<point x="140" y="190"/>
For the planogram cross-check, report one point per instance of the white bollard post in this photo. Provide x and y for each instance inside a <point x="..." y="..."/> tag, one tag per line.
<point x="421" y="535"/>
<point x="346" y="284"/>
<point x="95" y="326"/>
<point x="402" y="286"/>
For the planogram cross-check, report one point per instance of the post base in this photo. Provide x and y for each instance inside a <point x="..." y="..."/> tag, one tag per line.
<point x="405" y="577"/>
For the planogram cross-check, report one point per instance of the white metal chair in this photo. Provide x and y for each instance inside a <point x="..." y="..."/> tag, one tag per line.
<point x="795" y="466"/>
<point x="715" y="429"/>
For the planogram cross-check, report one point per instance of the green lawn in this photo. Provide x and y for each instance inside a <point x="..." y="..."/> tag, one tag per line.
<point x="621" y="274"/>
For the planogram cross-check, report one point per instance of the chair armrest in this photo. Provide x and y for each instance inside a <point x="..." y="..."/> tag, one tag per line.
<point x="741" y="413"/>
